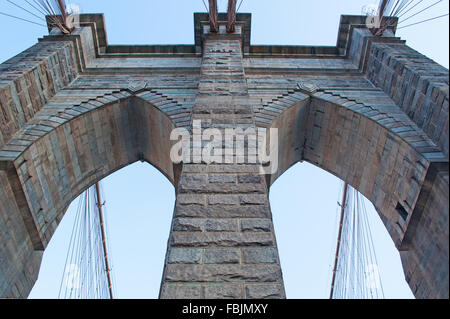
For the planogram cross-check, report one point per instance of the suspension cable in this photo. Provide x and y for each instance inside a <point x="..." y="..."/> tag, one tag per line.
<point x="409" y="25"/>
<point x="26" y="20"/>
<point x="356" y="272"/>
<point x="87" y="269"/>
<point x="420" y="11"/>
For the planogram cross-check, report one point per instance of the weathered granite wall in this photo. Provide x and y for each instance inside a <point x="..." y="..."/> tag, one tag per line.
<point x="370" y="110"/>
<point x="222" y="243"/>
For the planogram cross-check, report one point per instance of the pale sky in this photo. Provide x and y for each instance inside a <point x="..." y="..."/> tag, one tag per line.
<point x="140" y="200"/>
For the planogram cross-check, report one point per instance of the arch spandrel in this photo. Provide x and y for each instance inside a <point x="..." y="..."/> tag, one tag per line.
<point x="54" y="169"/>
<point x="362" y="144"/>
<point x="399" y="170"/>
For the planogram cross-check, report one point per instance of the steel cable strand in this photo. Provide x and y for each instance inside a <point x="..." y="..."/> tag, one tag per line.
<point x="370" y="237"/>
<point x="345" y="251"/>
<point x="110" y="254"/>
<point x="22" y="8"/>
<point x="404" y="8"/>
<point x="84" y="252"/>
<point x="96" y="283"/>
<point x="405" y="12"/>
<point x="363" y="251"/>
<point x="71" y="240"/>
<point x="349" y="250"/>
<point x="108" y="242"/>
<point x="78" y="248"/>
<point x="415" y="14"/>
<point x="359" y="249"/>
<point x="369" y="250"/>
<point x="102" y="242"/>
<point x="365" y="256"/>
<point x="100" y="267"/>
<point x="353" y="248"/>
<point x="77" y="291"/>
<point x="359" y="264"/>
<point x="340" y="268"/>
<point x="332" y="252"/>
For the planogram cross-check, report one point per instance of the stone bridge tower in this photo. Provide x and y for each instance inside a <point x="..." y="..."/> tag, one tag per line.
<point x="369" y="110"/>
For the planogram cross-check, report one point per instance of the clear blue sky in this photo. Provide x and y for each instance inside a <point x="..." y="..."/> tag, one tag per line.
<point x="140" y="200"/>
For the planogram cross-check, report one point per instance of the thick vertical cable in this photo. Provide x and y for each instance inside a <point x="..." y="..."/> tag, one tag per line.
<point x="344" y="197"/>
<point x="105" y="251"/>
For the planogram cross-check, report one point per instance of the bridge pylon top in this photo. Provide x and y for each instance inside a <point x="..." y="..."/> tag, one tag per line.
<point x="243" y="30"/>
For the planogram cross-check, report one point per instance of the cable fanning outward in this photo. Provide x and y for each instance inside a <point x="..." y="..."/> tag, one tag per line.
<point x="388" y="10"/>
<point x="55" y="11"/>
<point x="86" y="271"/>
<point x="356" y="274"/>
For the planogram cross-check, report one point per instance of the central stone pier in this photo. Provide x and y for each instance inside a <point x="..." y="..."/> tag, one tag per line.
<point x="222" y="242"/>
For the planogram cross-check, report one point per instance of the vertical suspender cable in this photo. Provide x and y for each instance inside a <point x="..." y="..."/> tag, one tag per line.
<point x="102" y="226"/>
<point x="344" y="198"/>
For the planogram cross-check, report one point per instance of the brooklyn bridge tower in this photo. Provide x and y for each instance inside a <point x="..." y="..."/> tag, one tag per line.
<point x="370" y="110"/>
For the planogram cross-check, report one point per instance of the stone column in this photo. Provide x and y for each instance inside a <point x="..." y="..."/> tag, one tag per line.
<point x="419" y="86"/>
<point x="222" y="242"/>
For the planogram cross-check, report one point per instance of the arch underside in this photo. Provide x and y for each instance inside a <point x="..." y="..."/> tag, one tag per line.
<point x="348" y="128"/>
<point x="60" y="163"/>
<point x="353" y="130"/>
<point x="386" y="157"/>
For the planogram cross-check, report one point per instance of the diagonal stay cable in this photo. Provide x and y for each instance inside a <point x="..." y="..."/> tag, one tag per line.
<point x="392" y="13"/>
<point x="404" y="7"/>
<point x="239" y="6"/>
<point x="36" y="8"/>
<point x="20" y="7"/>
<point x="12" y="16"/>
<point x="434" y="18"/>
<point x="403" y="13"/>
<point x="206" y="7"/>
<point x="413" y="15"/>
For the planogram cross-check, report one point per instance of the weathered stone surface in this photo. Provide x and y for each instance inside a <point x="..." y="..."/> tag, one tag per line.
<point x="228" y="188"/>
<point x="223" y="168"/>
<point x="185" y="256"/>
<point x="256" y="225"/>
<point x="232" y="192"/>
<point x="221" y="225"/>
<point x="191" y="224"/>
<point x="259" y="256"/>
<point x="222" y="273"/>
<point x="222" y="178"/>
<point x="221" y="256"/>
<point x="223" y="200"/>
<point x="226" y="239"/>
<point x="223" y="211"/>
<point x="191" y="182"/>
<point x="185" y="199"/>
<point x="253" y="199"/>
<point x="249" y="178"/>
<point x="264" y="291"/>
<point x="174" y="291"/>
<point x="223" y="291"/>
<point x="429" y="229"/>
<point x="374" y="113"/>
